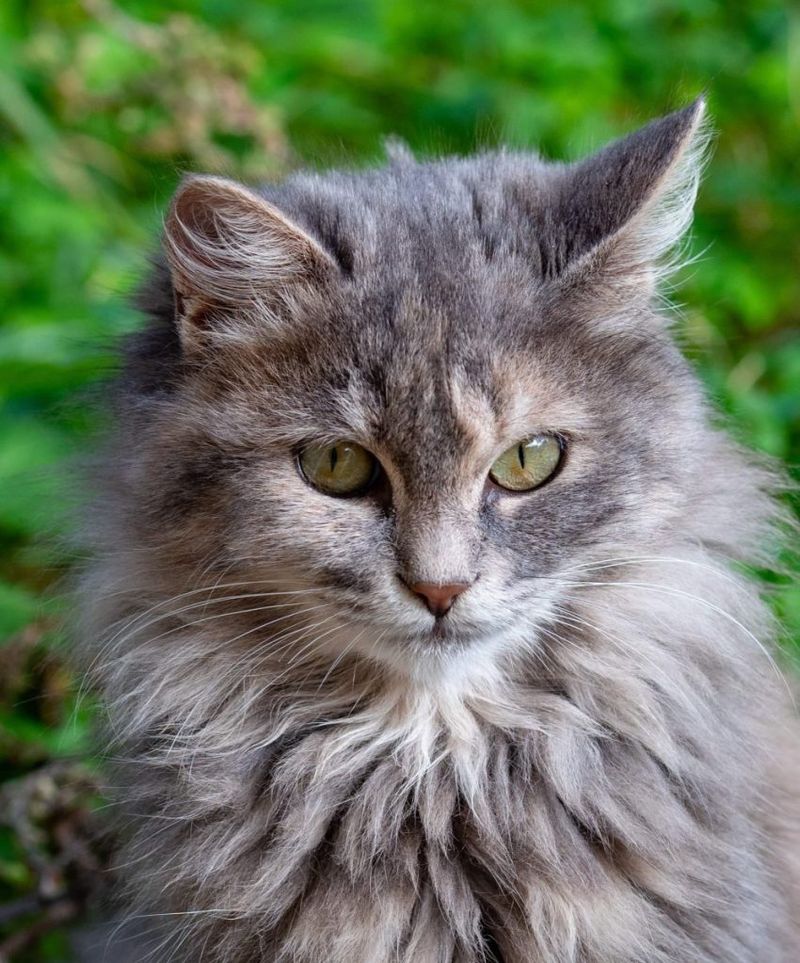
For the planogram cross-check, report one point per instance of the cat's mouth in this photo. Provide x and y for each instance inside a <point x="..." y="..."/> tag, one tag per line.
<point x="447" y="631"/>
<point x="441" y="630"/>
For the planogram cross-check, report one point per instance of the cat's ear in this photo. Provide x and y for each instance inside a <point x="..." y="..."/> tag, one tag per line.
<point x="231" y="252"/>
<point x="624" y="209"/>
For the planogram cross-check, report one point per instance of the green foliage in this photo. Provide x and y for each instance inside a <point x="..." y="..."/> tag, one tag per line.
<point x="102" y="106"/>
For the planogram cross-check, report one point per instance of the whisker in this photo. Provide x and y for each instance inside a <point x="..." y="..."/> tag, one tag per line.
<point x="680" y="593"/>
<point x="224" y="644"/>
<point x="125" y="631"/>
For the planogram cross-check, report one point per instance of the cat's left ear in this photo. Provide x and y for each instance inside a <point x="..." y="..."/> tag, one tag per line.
<point x="623" y="210"/>
<point x="234" y="256"/>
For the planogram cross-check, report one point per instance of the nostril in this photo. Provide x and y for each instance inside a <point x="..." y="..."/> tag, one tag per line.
<point x="439" y="598"/>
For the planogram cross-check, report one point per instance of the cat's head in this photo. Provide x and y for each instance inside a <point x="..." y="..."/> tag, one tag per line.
<point x="420" y="398"/>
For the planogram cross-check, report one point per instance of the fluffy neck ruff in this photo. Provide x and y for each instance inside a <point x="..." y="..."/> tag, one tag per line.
<point x="594" y="799"/>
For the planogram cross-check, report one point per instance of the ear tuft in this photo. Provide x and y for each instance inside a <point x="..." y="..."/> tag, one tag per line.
<point x="397" y="151"/>
<point x="228" y="247"/>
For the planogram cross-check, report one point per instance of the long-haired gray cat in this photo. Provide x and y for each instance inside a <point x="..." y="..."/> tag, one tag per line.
<point x="418" y="602"/>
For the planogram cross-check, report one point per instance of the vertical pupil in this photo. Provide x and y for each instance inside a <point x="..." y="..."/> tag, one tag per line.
<point x="521" y="455"/>
<point x="334" y="458"/>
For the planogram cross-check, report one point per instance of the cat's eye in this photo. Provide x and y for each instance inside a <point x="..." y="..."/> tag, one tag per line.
<point x="528" y="464"/>
<point x="341" y="469"/>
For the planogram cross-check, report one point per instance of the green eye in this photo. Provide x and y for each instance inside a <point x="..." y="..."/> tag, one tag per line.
<point x="527" y="464"/>
<point x="341" y="469"/>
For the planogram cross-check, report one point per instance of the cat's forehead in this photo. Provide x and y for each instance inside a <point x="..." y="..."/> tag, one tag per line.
<point x="433" y="396"/>
<point x="424" y="218"/>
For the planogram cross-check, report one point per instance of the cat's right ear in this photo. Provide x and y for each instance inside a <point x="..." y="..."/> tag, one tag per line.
<point x="233" y="256"/>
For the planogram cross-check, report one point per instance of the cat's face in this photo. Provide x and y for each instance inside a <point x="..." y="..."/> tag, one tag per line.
<point x="427" y="435"/>
<point x="433" y="413"/>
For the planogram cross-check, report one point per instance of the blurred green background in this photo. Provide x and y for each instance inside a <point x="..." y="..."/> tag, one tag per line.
<point x="102" y="106"/>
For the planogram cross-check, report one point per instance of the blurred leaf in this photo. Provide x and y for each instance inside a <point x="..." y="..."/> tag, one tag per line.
<point x="18" y="607"/>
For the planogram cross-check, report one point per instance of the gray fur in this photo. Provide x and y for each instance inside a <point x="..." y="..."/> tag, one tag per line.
<point x="591" y="760"/>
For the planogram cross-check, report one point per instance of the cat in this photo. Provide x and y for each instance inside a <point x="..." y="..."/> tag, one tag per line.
<point x="417" y="600"/>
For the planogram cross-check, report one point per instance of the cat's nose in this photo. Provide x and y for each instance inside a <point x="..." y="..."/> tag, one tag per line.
<point x="438" y="598"/>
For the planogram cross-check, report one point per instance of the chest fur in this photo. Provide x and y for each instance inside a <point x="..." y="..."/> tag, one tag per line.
<point x="418" y="831"/>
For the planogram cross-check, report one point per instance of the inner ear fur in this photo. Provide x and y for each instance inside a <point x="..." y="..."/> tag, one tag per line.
<point x="229" y="248"/>
<point x="623" y="210"/>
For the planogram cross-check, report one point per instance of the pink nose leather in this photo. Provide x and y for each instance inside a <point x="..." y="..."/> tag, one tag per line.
<point x="438" y="598"/>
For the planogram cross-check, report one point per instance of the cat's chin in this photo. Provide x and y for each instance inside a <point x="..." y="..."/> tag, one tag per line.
<point x="408" y="650"/>
<point x="444" y="643"/>
<point x="460" y="643"/>
<point x="443" y="635"/>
